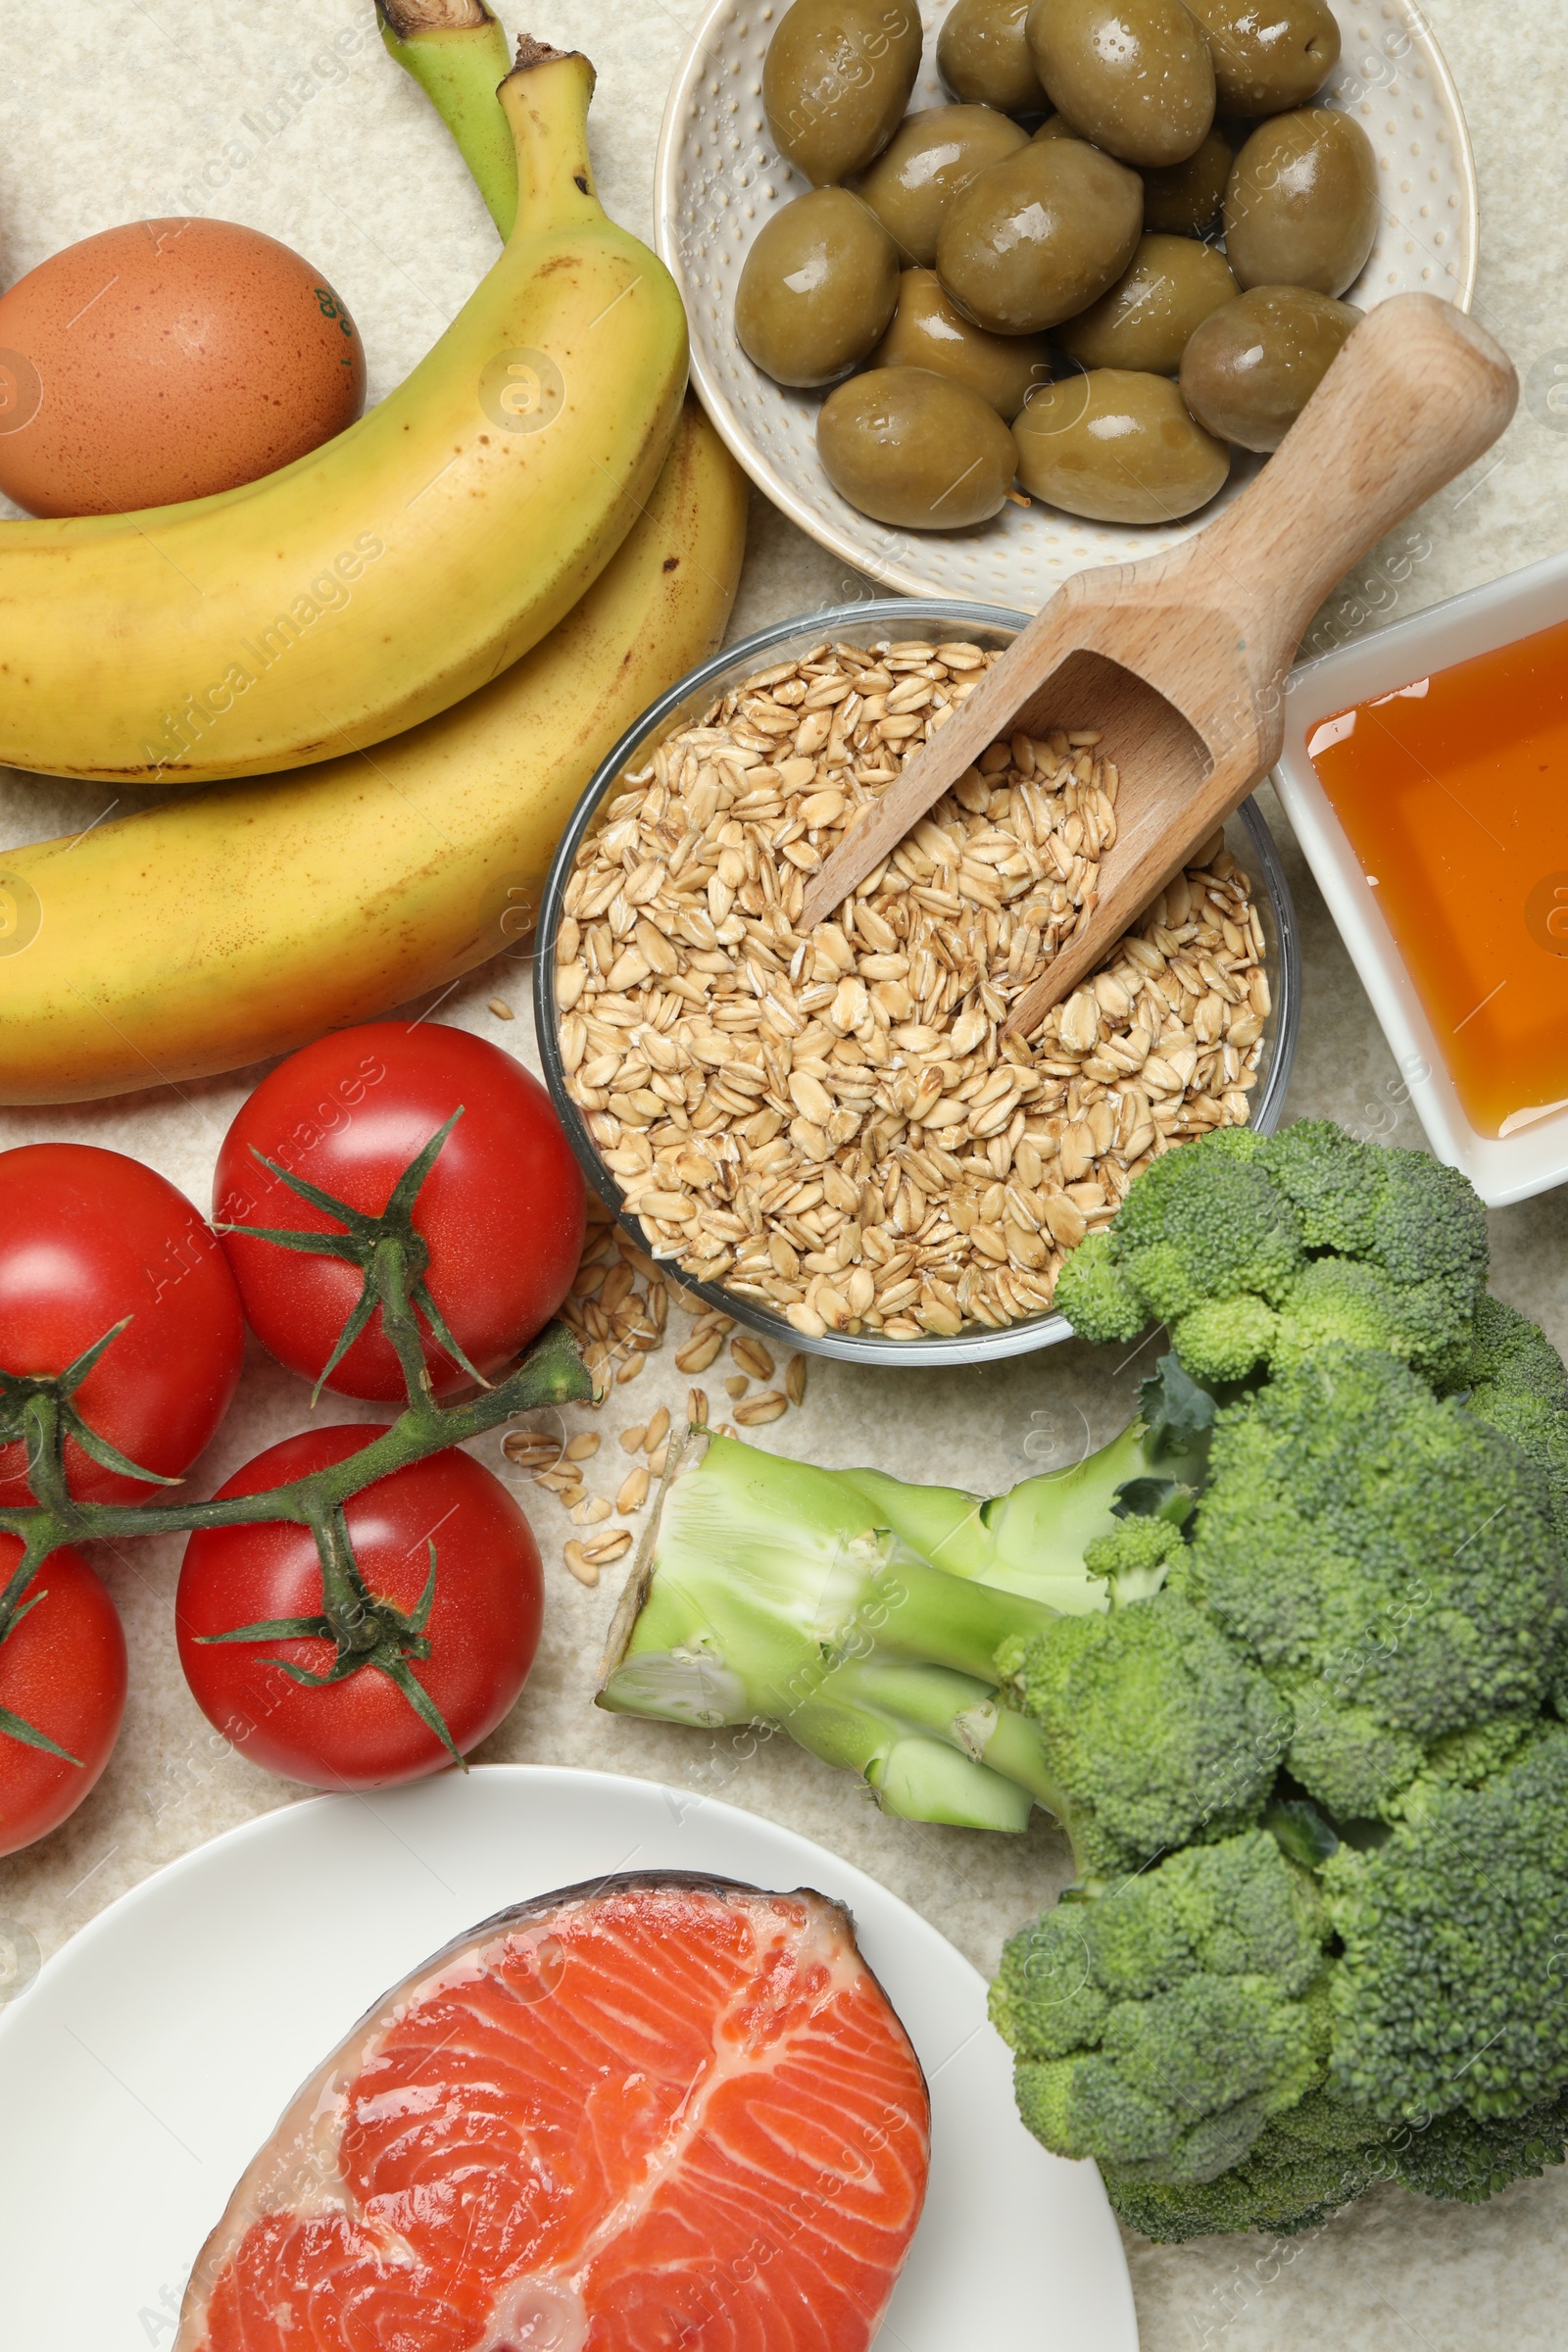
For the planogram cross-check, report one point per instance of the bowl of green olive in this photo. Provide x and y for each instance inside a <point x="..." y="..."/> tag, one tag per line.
<point x="983" y="292"/>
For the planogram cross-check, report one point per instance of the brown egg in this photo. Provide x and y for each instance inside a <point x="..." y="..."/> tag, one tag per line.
<point x="165" y="360"/>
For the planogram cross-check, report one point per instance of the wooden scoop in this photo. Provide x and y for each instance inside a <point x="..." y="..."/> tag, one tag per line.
<point x="1180" y="660"/>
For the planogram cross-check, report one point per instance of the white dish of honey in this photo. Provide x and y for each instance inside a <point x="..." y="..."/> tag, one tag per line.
<point x="1426" y="773"/>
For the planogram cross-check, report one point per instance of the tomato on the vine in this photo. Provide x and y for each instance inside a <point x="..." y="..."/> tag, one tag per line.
<point x="360" y="1732"/>
<point x="88" y="1239"/>
<point x="498" y="1216"/>
<point x="62" y="1679"/>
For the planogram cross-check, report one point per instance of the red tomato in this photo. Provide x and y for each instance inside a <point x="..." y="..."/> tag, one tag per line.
<point x="502" y="1212"/>
<point x="361" y="1733"/>
<point x="87" y="1237"/>
<point x="63" y="1671"/>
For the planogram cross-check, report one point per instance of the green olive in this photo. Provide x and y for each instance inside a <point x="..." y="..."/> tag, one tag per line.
<point x="817" y="288"/>
<point x="1152" y="312"/>
<point x="1057" y="127"/>
<point x="1268" y="54"/>
<point x="1134" y="74"/>
<point x="1184" y="199"/>
<point x="1252" y="368"/>
<point x="927" y="332"/>
<point x="983" y="56"/>
<point x="914" y="449"/>
<point x="1040" y="236"/>
<point x="1301" y="202"/>
<point x="1117" y="447"/>
<point x="932" y="158"/>
<point x="836" y="82"/>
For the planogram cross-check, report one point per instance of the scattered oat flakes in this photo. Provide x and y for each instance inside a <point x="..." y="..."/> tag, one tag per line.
<point x="531" y="1448"/>
<point x="752" y="1411"/>
<point x="608" y="1548"/>
<point x="586" y="1571"/>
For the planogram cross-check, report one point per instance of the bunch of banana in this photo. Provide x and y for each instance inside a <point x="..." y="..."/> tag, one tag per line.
<point x="379" y="580"/>
<point x="240" y="921"/>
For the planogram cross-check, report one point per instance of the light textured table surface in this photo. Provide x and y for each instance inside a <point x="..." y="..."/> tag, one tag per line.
<point x="110" y="111"/>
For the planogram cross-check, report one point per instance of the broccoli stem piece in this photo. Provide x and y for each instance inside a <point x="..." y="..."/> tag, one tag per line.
<point x="1031" y="1541"/>
<point x="774" y="1592"/>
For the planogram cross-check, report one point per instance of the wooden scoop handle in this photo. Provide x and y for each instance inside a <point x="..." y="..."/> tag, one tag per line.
<point x="1415" y="395"/>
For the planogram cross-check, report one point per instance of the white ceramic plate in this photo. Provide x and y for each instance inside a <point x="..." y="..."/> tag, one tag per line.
<point x="155" y="2053"/>
<point x="720" y="177"/>
<point x="1535" y="1157"/>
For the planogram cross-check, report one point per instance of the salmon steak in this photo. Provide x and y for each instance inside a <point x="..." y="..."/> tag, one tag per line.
<point x="656" y="2113"/>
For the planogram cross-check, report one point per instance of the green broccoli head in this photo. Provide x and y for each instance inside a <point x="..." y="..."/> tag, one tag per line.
<point x="1389" y="1560"/>
<point x="1159" y="2023"/>
<point x="1261" y="1252"/>
<point x="1154" y="1729"/>
<point x="1450" y="1990"/>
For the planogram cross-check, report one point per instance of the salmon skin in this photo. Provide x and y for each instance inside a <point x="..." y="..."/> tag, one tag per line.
<point x="653" y="2113"/>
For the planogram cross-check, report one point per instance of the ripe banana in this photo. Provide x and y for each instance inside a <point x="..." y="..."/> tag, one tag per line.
<point x="230" y="924"/>
<point x="385" y="576"/>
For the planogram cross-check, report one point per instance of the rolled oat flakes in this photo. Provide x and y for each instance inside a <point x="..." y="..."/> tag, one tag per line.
<point x="833" y="1125"/>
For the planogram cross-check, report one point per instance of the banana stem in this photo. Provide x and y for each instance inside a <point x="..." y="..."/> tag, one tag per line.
<point x="546" y="99"/>
<point x="456" y="51"/>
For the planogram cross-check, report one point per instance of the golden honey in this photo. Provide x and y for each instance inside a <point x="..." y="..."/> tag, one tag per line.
<point x="1453" y="793"/>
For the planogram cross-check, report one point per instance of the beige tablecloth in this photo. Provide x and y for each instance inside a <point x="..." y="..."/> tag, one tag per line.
<point x="112" y="109"/>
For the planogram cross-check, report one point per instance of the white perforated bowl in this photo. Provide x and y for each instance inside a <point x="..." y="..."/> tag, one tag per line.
<point x="720" y="177"/>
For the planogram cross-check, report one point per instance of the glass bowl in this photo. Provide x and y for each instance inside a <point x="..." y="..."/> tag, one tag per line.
<point x="867" y="623"/>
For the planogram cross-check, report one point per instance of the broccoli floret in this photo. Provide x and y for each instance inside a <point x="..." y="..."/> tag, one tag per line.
<point x="1304" y="2166"/>
<point x="1340" y="1301"/>
<point x="1448" y="1992"/>
<point x="1133" y="1559"/>
<point x="1160" y="2022"/>
<point x="1391" y="1561"/>
<point x="1340" y="1750"/>
<point x="1261" y="1252"/>
<point x="1518" y="1383"/>
<point x="1154" y="1729"/>
<point x="1205" y="1223"/>
<point x="1456" y="2156"/>
<point x="1226" y="1338"/>
<point x="1422" y="1225"/>
<point x="1090" y="1291"/>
